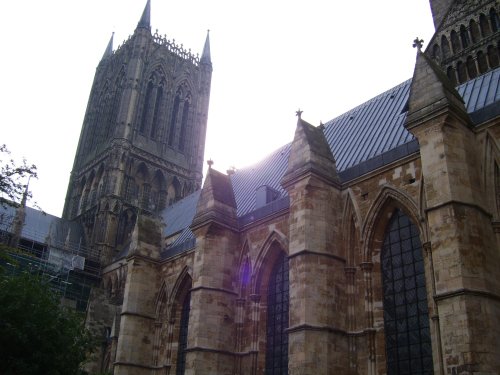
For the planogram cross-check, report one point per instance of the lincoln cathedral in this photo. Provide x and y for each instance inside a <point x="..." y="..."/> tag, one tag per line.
<point x="366" y="245"/>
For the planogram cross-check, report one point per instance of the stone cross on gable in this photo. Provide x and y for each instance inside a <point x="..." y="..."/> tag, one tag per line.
<point x="418" y="43"/>
<point x="299" y="113"/>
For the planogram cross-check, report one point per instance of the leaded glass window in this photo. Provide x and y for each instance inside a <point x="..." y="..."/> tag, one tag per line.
<point x="183" y="335"/>
<point x="277" y="320"/>
<point x="406" y="315"/>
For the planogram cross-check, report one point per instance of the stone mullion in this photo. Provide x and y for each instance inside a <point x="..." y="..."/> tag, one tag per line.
<point x="169" y="342"/>
<point x="254" y="348"/>
<point x="240" y="310"/>
<point x="350" y="273"/>
<point x="367" y="268"/>
<point x="156" y="343"/>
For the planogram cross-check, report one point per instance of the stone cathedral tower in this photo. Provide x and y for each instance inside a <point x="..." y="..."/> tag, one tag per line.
<point x="142" y="141"/>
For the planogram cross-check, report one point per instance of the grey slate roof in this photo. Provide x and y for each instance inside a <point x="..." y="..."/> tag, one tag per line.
<point x="366" y="137"/>
<point x="45" y="228"/>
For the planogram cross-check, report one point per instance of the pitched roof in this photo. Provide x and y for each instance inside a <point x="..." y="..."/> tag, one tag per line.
<point x="366" y="137"/>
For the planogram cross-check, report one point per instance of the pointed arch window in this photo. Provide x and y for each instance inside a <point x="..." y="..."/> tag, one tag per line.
<point x="484" y="25"/>
<point x="183" y="335"/>
<point x="445" y="47"/>
<point x="450" y="72"/>
<point x="481" y="62"/>
<point x="471" y="67"/>
<point x="147" y="108"/>
<point x="152" y="107"/>
<point x="474" y="31"/>
<point x="184" y="122"/>
<point x="455" y="42"/>
<point x="461" y="71"/>
<point x="173" y="119"/>
<point x="406" y="314"/>
<point x="277" y="319"/>
<point x="495" y="21"/>
<point x="464" y="36"/>
<point x="493" y="56"/>
<point x="156" y="113"/>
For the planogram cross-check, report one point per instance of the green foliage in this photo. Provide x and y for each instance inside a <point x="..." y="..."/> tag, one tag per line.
<point x="13" y="178"/>
<point x="37" y="334"/>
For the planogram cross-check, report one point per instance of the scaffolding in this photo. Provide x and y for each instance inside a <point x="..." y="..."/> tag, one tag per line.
<point x="70" y="269"/>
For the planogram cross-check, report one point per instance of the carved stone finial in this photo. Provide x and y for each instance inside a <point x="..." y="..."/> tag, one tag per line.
<point x="210" y="162"/>
<point x="418" y="43"/>
<point x="298" y="113"/>
<point x="321" y="125"/>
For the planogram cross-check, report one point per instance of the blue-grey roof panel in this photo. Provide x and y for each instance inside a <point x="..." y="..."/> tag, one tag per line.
<point x="363" y="134"/>
<point x="370" y="129"/>
<point x="268" y="171"/>
<point x="180" y="214"/>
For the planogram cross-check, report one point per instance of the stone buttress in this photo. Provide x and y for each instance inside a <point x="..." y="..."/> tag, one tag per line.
<point x="317" y="332"/>
<point x="463" y="250"/>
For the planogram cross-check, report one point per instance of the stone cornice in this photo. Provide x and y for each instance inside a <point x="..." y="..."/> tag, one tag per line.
<point x="466" y="292"/>
<point x="311" y="252"/>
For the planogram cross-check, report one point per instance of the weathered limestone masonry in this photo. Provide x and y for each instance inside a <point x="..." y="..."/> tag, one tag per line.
<point x="215" y="277"/>
<point x="317" y="332"/>
<point x="135" y="342"/>
<point x="464" y="251"/>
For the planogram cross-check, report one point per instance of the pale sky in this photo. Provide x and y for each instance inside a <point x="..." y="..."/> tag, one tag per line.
<point x="270" y="58"/>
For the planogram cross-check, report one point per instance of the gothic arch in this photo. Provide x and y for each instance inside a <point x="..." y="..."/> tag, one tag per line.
<point x="154" y="93"/>
<point x="387" y="200"/>
<point x="179" y="311"/>
<point x="183" y="281"/>
<point x="161" y="323"/>
<point x="244" y="270"/>
<point x="351" y="227"/>
<point x="174" y="191"/>
<point x="275" y="245"/>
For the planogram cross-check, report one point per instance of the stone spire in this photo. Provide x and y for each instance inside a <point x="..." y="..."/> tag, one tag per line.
<point x="109" y="49"/>
<point x="205" y="56"/>
<point x="217" y="202"/>
<point x="145" y="21"/>
<point x="310" y="153"/>
<point x="431" y="92"/>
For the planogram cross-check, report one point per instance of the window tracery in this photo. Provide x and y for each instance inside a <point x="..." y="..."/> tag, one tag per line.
<point x="277" y="319"/>
<point x="406" y="315"/>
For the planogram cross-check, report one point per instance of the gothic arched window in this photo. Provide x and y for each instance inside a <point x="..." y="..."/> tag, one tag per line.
<point x="436" y="52"/>
<point x="455" y="42"/>
<point x="495" y="21"/>
<point x="462" y="73"/>
<point x="406" y="315"/>
<point x="493" y="56"/>
<point x="173" y="119"/>
<point x="445" y="47"/>
<point x="183" y="335"/>
<point x="484" y="25"/>
<point x="147" y="108"/>
<point x="464" y="36"/>
<point x="474" y="31"/>
<point x="471" y="67"/>
<point x="450" y="72"/>
<point x="156" y="113"/>
<point x="277" y="319"/>
<point x="184" y="121"/>
<point x="481" y="62"/>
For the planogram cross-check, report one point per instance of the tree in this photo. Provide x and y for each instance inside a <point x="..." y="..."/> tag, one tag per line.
<point x="37" y="334"/>
<point x="13" y="178"/>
